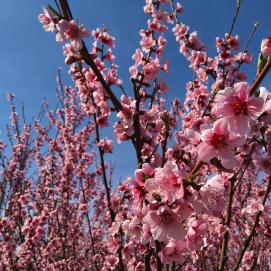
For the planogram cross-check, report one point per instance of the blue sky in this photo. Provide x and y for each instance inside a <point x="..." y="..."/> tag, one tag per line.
<point x="30" y="57"/>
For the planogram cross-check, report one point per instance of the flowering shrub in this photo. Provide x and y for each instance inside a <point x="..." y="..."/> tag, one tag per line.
<point x="199" y="198"/>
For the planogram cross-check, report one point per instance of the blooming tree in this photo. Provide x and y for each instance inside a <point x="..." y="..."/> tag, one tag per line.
<point x="199" y="198"/>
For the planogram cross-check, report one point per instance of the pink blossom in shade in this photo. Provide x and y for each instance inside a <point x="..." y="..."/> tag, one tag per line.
<point x="164" y="223"/>
<point x="106" y="145"/>
<point x="167" y="184"/>
<point x="111" y="261"/>
<point x="248" y="259"/>
<point x="47" y="20"/>
<point x="239" y="76"/>
<point x="173" y="252"/>
<point x="266" y="111"/>
<point x="194" y="236"/>
<point x="218" y="142"/>
<point x="212" y="195"/>
<point x="266" y="46"/>
<point x="72" y="31"/>
<point x="179" y="8"/>
<point x="253" y="207"/>
<point x="147" y="42"/>
<point x="232" y="42"/>
<point x="240" y="110"/>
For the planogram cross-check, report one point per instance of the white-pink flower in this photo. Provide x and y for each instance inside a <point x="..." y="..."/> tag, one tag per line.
<point x="72" y="31"/>
<point x="47" y="20"/>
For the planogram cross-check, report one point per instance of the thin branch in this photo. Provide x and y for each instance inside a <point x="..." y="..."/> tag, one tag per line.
<point x="255" y="26"/>
<point x="235" y="16"/>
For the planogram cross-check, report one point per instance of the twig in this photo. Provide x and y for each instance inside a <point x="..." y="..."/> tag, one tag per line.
<point x="235" y="16"/>
<point x="250" y="36"/>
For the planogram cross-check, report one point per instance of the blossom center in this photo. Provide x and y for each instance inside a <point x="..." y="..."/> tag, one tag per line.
<point x="239" y="106"/>
<point x="218" y="141"/>
<point x="166" y="217"/>
<point x="73" y="32"/>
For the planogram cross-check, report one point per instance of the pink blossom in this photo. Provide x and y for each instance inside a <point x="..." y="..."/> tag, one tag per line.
<point x="164" y="223"/>
<point x="266" y="46"/>
<point x="194" y="236"/>
<point x="147" y="43"/>
<point x="220" y="143"/>
<point x="266" y="111"/>
<point x="167" y="184"/>
<point x="47" y="20"/>
<point x="180" y="30"/>
<point x="72" y="31"/>
<point x="212" y="195"/>
<point x="240" y="110"/>
<point x="253" y="207"/>
<point x="138" y="191"/>
<point x="197" y="58"/>
<point x="232" y="42"/>
<point x="248" y="259"/>
<point x="137" y="57"/>
<point x="195" y="41"/>
<point x="106" y="145"/>
<point x="151" y="69"/>
<point x="179" y="8"/>
<point x="174" y="251"/>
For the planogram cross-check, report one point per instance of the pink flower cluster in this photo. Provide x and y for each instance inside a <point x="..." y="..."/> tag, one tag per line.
<point x="200" y="195"/>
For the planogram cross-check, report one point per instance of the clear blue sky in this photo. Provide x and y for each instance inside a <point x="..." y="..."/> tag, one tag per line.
<point x="29" y="57"/>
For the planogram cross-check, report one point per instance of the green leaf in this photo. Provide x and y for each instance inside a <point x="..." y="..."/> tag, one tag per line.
<point x="261" y="63"/>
